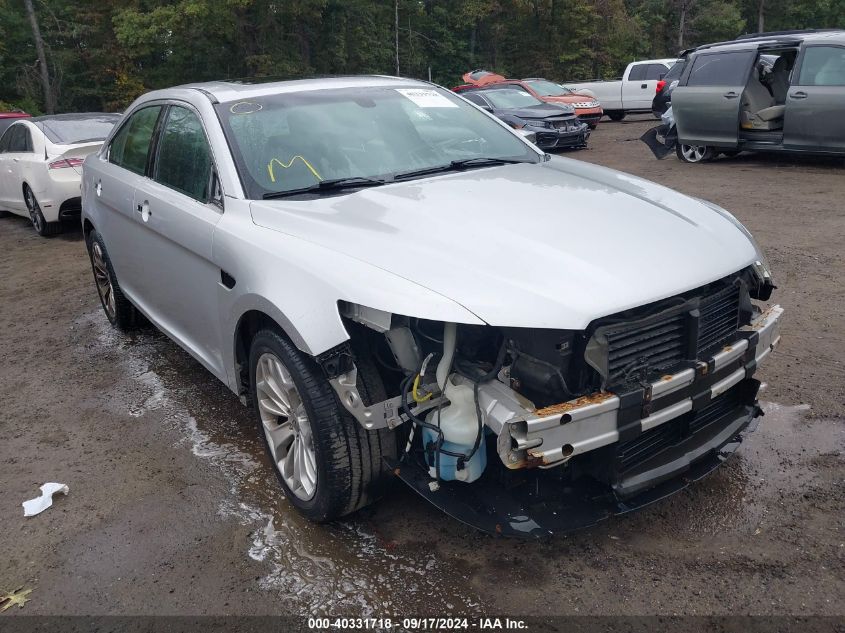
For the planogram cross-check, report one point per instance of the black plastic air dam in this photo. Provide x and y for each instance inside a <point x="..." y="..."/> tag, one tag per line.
<point x="489" y="507"/>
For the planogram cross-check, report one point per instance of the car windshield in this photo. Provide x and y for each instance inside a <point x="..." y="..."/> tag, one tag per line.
<point x="547" y="88"/>
<point x="511" y="98"/>
<point x="79" y="130"/>
<point x="296" y="140"/>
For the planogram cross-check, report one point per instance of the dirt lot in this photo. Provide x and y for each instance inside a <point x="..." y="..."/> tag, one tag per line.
<point x="174" y="509"/>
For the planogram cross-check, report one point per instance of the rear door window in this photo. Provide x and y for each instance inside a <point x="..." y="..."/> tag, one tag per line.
<point x="5" y="140"/>
<point x="655" y="71"/>
<point x="823" y="66"/>
<point x="20" y="140"/>
<point x="638" y="72"/>
<point x="130" y="147"/>
<point x="183" y="162"/>
<point x="721" y="69"/>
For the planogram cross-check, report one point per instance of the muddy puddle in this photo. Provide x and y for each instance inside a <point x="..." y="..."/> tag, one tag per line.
<point x="360" y="566"/>
<point x="346" y="568"/>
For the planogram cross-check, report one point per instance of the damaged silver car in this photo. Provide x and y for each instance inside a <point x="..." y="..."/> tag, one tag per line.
<point x="400" y="285"/>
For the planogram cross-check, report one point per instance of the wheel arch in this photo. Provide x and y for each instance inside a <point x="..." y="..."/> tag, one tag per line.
<point x="248" y="324"/>
<point x="87" y="227"/>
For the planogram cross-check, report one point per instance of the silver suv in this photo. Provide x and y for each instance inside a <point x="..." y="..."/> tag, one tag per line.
<point x="400" y="284"/>
<point x="767" y="92"/>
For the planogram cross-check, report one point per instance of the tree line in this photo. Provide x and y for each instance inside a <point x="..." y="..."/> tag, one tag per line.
<point x="93" y="55"/>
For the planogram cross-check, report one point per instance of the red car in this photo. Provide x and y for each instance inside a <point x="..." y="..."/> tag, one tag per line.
<point x="587" y="108"/>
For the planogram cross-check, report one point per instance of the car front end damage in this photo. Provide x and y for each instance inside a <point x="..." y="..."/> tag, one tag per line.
<point x="558" y="132"/>
<point x="528" y="432"/>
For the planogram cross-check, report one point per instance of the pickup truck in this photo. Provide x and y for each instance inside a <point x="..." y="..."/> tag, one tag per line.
<point x="633" y="93"/>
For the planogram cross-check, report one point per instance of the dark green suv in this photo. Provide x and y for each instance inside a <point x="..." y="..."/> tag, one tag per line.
<point x="780" y="91"/>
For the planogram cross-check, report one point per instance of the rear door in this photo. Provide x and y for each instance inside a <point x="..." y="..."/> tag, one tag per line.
<point x="111" y="180"/>
<point x="175" y="218"/>
<point x="18" y="153"/>
<point x="5" y="159"/>
<point x="634" y="87"/>
<point x="639" y="87"/>
<point x="815" y="102"/>
<point x="707" y="102"/>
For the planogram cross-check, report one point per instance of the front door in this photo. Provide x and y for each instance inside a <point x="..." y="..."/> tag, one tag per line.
<point x="815" y="102"/>
<point x="707" y="103"/>
<point x="176" y="276"/>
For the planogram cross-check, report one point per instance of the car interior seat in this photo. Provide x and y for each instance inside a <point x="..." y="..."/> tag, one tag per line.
<point x="780" y="79"/>
<point x="759" y="110"/>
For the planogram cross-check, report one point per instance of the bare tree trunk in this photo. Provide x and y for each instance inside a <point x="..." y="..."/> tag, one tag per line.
<point x="761" y="9"/>
<point x="49" y="98"/>
<point x="682" y="25"/>
<point x="396" y="33"/>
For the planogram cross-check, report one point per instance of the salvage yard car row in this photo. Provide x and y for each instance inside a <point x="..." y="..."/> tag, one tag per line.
<point x="401" y="284"/>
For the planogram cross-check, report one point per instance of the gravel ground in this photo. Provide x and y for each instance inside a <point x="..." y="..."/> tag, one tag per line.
<point x="173" y="507"/>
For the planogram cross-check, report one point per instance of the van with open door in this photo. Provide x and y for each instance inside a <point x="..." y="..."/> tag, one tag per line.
<point x="781" y="91"/>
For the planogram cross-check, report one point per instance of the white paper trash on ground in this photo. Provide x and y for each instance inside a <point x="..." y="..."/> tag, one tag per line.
<point x="39" y="504"/>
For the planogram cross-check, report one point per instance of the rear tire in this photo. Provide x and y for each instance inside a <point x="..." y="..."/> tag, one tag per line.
<point x="615" y="115"/>
<point x="694" y="153"/>
<point x="119" y="311"/>
<point x="41" y="226"/>
<point x="346" y="459"/>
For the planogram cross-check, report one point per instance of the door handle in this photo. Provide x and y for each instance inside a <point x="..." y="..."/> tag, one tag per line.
<point x="99" y="188"/>
<point x="144" y="210"/>
<point x="798" y="95"/>
<point x="643" y="85"/>
<point x="730" y="95"/>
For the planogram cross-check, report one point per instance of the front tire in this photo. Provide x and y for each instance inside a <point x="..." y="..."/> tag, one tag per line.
<point x="616" y="115"/>
<point x="327" y="463"/>
<point x="120" y="313"/>
<point x="694" y="153"/>
<point x="41" y="226"/>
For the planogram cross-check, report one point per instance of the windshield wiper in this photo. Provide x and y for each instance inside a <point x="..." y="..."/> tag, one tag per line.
<point x="458" y="165"/>
<point x="335" y="184"/>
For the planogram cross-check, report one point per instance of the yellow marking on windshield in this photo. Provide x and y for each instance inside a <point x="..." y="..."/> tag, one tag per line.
<point x="288" y="165"/>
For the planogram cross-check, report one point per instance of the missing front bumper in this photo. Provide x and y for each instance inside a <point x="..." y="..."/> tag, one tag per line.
<point x="542" y="503"/>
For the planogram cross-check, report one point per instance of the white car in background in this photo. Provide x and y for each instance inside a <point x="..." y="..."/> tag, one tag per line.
<point x="41" y="165"/>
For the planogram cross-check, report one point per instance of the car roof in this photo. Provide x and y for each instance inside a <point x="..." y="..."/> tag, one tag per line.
<point x="778" y="38"/>
<point x="76" y="116"/>
<point x="231" y="90"/>
<point x="15" y="115"/>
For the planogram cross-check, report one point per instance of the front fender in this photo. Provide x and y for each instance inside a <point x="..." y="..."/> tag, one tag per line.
<point x="298" y="284"/>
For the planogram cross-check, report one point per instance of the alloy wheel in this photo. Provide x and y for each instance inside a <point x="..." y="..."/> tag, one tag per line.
<point x="103" y="280"/>
<point x="286" y="426"/>
<point x="34" y="210"/>
<point x="694" y="153"/>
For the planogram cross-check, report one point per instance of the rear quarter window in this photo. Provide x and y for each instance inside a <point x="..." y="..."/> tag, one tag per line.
<point x="823" y="66"/>
<point x="720" y="69"/>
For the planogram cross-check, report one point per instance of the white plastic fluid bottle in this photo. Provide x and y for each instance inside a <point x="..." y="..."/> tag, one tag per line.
<point x="459" y="423"/>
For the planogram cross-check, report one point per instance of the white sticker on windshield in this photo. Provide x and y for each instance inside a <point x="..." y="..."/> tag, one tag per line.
<point x="426" y="98"/>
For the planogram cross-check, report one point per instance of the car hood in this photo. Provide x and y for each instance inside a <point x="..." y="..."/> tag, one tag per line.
<point x="544" y="111"/>
<point x="549" y="245"/>
<point x="570" y="99"/>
